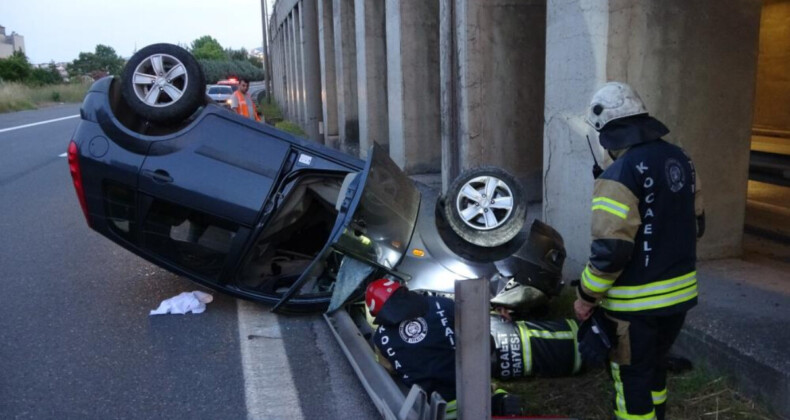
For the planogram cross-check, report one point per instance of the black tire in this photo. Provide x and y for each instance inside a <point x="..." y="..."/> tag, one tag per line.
<point x="483" y="221"/>
<point x="163" y="83"/>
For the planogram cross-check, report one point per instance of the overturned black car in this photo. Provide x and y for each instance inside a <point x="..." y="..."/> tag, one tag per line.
<point x="249" y="210"/>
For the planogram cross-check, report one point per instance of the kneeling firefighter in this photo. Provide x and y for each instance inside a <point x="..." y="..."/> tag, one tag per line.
<point x="415" y="334"/>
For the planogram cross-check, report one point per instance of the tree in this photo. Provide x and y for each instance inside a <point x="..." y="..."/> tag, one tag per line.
<point x="240" y="54"/>
<point x="103" y="61"/>
<point x="15" y="68"/>
<point x="45" y="76"/>
<point x="208" y="48"/>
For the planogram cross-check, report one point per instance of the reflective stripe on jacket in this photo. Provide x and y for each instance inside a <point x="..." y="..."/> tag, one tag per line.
<point x="243" y="109"/>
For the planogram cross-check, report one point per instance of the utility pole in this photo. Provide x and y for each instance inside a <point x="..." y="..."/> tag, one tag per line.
<point x="267" y="68"/>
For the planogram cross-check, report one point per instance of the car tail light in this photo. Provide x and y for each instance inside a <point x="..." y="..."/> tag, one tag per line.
<point x="76" y="176"/>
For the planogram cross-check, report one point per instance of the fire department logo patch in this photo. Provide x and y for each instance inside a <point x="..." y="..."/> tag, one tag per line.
<point x="676" y="176"/>
<point x="414" y="330"/>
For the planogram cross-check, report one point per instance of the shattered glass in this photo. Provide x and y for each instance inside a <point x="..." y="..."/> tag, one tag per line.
<point x="351" y="275"/>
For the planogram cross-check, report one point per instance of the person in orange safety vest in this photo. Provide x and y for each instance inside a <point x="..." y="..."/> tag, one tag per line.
<point x="242" y="103"/>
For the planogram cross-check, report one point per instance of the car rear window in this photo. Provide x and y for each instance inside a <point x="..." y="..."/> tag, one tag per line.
<point x="219" y="90"/>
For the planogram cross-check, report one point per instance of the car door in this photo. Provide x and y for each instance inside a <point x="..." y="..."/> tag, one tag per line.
<point x="375" y="222"/>
<point x="201" y="192"/>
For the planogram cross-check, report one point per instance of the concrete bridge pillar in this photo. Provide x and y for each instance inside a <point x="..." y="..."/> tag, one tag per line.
<point x="677" y="68"/>
<point x="289" y="107"/>
<point x="346" y="75"/>
<point x="371" y="74"/>
<point x="311" y="72"/>
<point x="493" y="55"/>
<point x="296" y="57"/>
<point x="412" y="34"/>
<point x="326" y="50"/>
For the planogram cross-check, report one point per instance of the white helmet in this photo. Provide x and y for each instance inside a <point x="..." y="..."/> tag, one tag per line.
<point x="613" y="101"/>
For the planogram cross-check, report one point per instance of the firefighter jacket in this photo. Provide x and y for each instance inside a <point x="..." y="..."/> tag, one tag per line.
<point x="416" y="336"/>
<point x="534" y="348"/>
<point x="645" y="211"/>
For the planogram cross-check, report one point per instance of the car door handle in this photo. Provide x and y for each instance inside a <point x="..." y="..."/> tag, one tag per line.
<point x="159" y="175"/>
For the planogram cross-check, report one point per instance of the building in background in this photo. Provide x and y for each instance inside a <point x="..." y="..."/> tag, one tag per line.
<point x="10" y="43"/>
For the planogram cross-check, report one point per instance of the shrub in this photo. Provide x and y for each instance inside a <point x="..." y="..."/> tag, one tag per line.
<point x="216" y="70"/>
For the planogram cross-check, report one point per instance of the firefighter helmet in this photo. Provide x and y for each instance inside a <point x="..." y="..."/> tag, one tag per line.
<point x="613" y="101"/>
<point x="378" y="292"/>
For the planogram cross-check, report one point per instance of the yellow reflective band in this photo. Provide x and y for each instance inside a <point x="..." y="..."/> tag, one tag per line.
<point x="577" y="357"/>
<point x="618" y="388"/>
<point x="654" y="302"/>
<point x="526" y="347"/>
<point x="658" y="287"/>
<point x="551" y="335"/>
<point x="595" y="283"/>
<point x="659" y="397"/>
<point x="609" y="210"/>
<point x="615" y="204"/>
<point x="608" y="205"/>
<point x="451" y="410"/>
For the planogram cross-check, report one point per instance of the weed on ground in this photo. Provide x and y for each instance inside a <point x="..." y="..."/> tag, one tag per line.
<point x="290" y="127"/>
<point x="697" y="394"/>
<point x="18" y="96"/>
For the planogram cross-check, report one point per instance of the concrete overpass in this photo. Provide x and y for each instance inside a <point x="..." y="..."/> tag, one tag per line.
<point x="446" y="85"/>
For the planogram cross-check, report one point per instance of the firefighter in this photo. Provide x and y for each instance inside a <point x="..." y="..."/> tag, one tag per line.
<point x="646" y="218"/>
<point x="415" y="334"/>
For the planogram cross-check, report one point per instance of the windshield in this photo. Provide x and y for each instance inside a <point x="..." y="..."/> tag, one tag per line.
<point x="382" y="223"/>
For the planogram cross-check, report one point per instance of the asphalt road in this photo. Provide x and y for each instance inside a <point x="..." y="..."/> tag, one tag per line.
<point x="76" y="341"/>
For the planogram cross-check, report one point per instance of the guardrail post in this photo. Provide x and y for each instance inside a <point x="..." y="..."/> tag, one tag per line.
<point x="473" y="351"/>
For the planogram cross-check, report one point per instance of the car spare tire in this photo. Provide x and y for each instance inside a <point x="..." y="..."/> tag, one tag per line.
<point x="485" y="206"/>
<point x="163" y="83"/>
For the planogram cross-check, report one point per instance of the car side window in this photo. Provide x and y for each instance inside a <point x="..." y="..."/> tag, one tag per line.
<point x="195" y="241"/>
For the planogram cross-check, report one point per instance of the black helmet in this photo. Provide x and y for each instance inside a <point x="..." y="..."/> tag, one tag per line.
<point x="538" y="263"/>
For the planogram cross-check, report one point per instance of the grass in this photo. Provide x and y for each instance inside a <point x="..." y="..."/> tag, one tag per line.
<point x="273" y="115"/>
<point x="18" y="96"/>
<point x="697" y="394"/>
<point x="290" y="127"/>
<point x="271" y="111"/>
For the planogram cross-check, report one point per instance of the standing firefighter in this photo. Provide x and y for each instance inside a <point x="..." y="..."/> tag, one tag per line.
<point x="646" y="218"/>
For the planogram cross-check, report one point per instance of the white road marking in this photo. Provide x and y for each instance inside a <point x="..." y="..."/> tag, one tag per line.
<point x="19" y="127"/>
<point x="270" y="392"/>
<point x="63" y="155"/>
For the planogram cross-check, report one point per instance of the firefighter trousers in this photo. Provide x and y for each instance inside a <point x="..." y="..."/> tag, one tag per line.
<point x="638" y="363"/>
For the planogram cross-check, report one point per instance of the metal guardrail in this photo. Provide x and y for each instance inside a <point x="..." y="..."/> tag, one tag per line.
<point x="383" y="391"/>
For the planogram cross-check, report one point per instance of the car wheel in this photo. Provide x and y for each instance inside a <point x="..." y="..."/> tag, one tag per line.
<point x="485" y="206"/>
<point x="163" y="83"/>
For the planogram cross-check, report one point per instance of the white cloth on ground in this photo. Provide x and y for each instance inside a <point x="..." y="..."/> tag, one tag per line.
<point x="194" y="302"/>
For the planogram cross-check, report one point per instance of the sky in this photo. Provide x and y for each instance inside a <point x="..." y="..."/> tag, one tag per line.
<point x="59" y="30"/>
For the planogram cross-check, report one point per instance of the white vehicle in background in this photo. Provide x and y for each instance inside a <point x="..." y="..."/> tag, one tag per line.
<point x="220" y="94"/>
